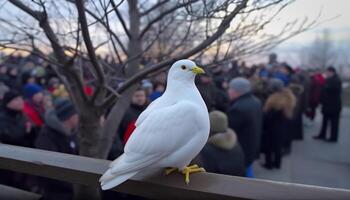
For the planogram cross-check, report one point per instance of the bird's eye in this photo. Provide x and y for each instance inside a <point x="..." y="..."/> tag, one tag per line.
<point x="183" y="67"/>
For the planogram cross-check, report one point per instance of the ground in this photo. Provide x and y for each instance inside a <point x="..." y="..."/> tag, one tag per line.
<point x="315" y="162"/>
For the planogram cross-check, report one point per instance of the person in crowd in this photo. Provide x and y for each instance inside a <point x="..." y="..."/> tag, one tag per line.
<point x="13" y="130"/>
<point x="158" y="91"/>
<point x="222" y="154"/>
<point x="60" y="92"/>
<point x="278" y="110"/>
<point x="59" y="135"/>
<point x="283" y="73"/>
<point x="147" y="85"/>
<point x="27" y="78"/>
<point x="245" y="118"/>
<point x="3" y="74"/>
<point x="34" y="109"/>
<point x="53" y="84"/>
<point x="138" y="104"/>
<point x="331" y="105"/>
<point x="13" y="81"/>
<point x="207" y="89"/>
<point x="317" y="82"/>
<point x="33" y="106"/>
<point x="13" y="126"/>
<point x="296" y="124"/>
<point x="221" y="97"/>
<point x="3" y="90"/>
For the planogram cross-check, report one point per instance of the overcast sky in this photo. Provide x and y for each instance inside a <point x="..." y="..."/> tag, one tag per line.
<point x="335" y="16"/>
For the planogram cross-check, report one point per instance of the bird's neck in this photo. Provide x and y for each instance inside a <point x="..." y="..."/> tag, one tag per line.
<point x="182" y="90"/>
<point x="180" y="85"/>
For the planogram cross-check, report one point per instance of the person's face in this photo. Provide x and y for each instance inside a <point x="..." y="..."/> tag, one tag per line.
<point x="3" y="70"/>
<point x="139" y="98"/>
<point x="31" y="80"/>
<point x="38" y="97"/>
<point x="284" y="70"/>
<point x="13" y="72"/>
<point x="160" y="88"/>
<point x="16" y="104"/>
<point x="329" y="74"/>
<point x="232" y="94"/>
<point x="224" y="84"/>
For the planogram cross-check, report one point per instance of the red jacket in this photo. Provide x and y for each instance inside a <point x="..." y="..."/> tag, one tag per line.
<point x="34" y="114"/>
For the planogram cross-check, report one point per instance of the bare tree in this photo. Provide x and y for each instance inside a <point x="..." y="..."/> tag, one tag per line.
<point x="163" y="30"/>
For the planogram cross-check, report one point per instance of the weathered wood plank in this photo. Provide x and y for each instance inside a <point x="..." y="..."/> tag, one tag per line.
<point x="83" y="170"/>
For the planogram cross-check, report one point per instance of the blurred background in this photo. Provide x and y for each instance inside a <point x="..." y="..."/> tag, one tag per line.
<point x="75" y="75"/>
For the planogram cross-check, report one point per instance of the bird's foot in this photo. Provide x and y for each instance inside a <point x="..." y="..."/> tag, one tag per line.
<point x="189" y="170"/>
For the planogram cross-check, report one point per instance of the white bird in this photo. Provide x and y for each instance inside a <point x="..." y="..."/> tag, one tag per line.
<point x="169" y="133"/>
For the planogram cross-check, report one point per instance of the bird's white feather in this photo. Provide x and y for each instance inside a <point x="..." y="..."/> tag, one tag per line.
<point x="169" y="133"/>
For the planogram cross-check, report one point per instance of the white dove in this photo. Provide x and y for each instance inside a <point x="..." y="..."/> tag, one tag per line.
<point x="169" y="133"/>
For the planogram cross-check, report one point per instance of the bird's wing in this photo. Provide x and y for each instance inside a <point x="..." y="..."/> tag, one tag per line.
<point x="162" y="132"/>
<point x="146" y="112"/>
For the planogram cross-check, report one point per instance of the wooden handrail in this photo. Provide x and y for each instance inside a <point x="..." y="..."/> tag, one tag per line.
<point x="86" y="171"/>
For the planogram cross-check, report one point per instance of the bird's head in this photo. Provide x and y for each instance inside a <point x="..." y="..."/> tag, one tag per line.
<point x="184" y="70"/>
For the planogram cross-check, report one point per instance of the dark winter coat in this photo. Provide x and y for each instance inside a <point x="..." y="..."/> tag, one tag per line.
<point x="208" y="93"/>
<point x="53" y="137"/>
<point x="12" y="127"/>
<point x="245" y="118"/>
<point x="331" y="96"/>
<point x="223" y="155"/>
<point x="278" y="110"/>
<point x="127" y="124"/>
<point x="12" y="131"/>
<point x="296" y="123"/>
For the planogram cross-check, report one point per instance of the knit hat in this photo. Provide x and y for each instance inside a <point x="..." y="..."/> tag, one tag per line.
<point x="241" y="85"/>
<point x="9" y="96"/>
<point x="31" y="89"/>
<point x="147" y="84"/>
<point x="218" y="122"/>
<point x="64" y="109"/>
<point x="275" y="85"/>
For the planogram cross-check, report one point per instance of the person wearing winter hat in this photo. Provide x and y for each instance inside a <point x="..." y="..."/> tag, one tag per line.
<point x="222" y="154"/>
<point x="13" y="130"/>
<point x="278" y="111"/>
<point x="12" y="121"/>
<point x="59" y="135"/>
<point x="33" y="106"/>
<point x="12" y="75"/>
<point x="245" y="118"/>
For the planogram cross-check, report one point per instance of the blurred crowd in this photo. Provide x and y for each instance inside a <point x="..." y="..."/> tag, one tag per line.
<point x="255" y="112"/>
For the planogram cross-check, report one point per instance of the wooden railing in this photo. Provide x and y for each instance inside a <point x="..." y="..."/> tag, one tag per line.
<point x="86" y="171"/>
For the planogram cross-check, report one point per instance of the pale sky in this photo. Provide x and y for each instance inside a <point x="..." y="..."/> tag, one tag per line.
<point x="335" y="16"/>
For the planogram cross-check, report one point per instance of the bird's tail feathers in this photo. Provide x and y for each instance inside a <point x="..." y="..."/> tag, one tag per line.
<point x="111" y="182"/>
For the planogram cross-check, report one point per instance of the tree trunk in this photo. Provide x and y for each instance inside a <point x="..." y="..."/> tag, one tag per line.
<point x="89" y="131"/>
<point x="118" y="110"/>
<point x="112" y="123"/>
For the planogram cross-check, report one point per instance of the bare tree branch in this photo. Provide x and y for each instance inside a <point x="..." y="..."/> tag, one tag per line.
<point x="160" y="16"/>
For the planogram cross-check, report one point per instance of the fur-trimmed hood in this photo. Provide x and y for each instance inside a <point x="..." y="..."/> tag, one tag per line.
<point x="283" y="100"/>
<point x="226" y="140"/>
